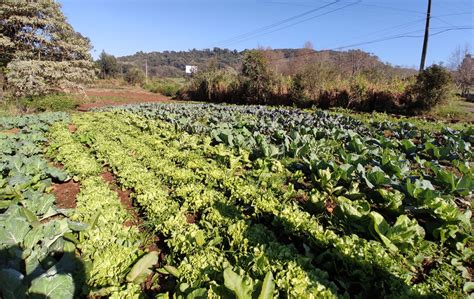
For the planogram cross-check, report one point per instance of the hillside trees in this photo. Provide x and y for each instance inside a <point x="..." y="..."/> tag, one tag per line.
<point x="40" y="52"/>
<point x="256" y="77"/>
<point x="108" y="66"/>
<point x="134" y="76"/>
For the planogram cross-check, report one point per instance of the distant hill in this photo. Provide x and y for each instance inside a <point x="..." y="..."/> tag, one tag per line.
<point x="172" y="63"/>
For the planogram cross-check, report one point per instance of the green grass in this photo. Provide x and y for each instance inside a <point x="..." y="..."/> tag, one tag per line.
<point x="456" y="109"/>
<point x="54" y="102"/>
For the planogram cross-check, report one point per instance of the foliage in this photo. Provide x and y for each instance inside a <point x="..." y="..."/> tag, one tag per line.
<point x="36" y="251"/>
<point x="324" y="180"/>
<point x="297" y="91"/>
<point x="52" y="102"/>
<point x="134" y="76"/>
<point x="257" y="79"/>
<point x="168" y="87"/>
<point x="108" y="66"/>
<point x="172" y="63"/>
<point x="36" y="78"/>
<point x="39" y="50"/>
<point x="249" y="201"/>
<point x="432" y="87"/>
<point x="464" y="75"/>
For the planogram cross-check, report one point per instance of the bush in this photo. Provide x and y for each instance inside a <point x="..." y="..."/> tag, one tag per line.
<point x="134" y="76"/>
<point x="257" y="79"/>
<point x="167" y="87"/>
<point x="297" y="91"/>
<point x="432" y="87"/>
<point x="54" y="102"/>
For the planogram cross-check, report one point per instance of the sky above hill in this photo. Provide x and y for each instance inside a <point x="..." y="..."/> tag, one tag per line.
<point x="391" y="29"/>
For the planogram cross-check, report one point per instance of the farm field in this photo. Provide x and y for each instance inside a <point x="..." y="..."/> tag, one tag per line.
<point x="213" y="201"/>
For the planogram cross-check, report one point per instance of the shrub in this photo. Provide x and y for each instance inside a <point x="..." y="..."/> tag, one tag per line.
<point x="257" y="81"/>
<point x="134" y="76"/>
<point x="167" y="87"/>
<point x="53" y="102"/>
<point x="297" y="91"/>
<point x="432" y="87"/>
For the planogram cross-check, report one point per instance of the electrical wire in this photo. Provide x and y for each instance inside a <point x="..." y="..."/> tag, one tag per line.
<point x="278" y="23"/>
<point x="292" y="24"/>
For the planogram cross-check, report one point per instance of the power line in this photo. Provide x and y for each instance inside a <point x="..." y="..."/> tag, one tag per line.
<point x="292" y="24"/>
<point x="278" y="23"/>
<point x="402" y="35"/>
<point x="387" y="29"/>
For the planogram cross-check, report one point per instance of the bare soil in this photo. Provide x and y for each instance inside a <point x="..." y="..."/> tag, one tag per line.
<point x="99" y="97"/>
<point x="124" y="196"/>
<point x="72" y="128"/>
<point x="66" y="194"/>
<point x="11" y="131"/>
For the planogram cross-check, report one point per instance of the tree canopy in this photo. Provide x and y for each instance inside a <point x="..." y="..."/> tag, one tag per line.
<point x="37" y="44"/>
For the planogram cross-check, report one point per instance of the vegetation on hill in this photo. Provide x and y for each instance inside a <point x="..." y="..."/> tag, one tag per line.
<point x="364" y="86"/>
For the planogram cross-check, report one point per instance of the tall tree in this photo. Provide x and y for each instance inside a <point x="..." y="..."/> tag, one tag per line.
<point x="108" y="66"/>
<point x="39" y="50"/>
<point x="465" y="75"/>
<point x="257" y="78"/>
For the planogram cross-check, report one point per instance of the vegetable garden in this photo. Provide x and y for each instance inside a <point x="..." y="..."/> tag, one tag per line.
<point x="234" y="202"/>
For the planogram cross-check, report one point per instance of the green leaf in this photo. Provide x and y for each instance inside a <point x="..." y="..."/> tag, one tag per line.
<point x="142" y="268"/>
<point x="33" y="236"/>
<point x="14" y="231"/>
<point x="77" y="226"/>
<point x="52" y="286"/>
<point x="468" y="287"/>
<point x="93" y="221"/>
<point x="379" y="228"/>
<point x="242" y="287"/>
<point x="200" y="240"/>
<point x="57" y="174"/>
<point x="268" y="287"/>
<point x="197" y="294"/>
<point x="172" y="270"/>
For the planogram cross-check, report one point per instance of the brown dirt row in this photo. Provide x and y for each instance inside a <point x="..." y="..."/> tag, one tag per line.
<point x="98" y="97"/>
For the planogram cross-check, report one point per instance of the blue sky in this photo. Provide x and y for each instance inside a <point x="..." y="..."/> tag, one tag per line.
<point x="123" y="27"/>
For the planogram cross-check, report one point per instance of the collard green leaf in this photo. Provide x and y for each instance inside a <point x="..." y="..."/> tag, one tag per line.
<point x="14" y="230"/>
<point x="52" y="286"/>
<point x="142" y="268"/>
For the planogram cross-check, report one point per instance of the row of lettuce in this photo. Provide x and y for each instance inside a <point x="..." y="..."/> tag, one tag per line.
<point x="248" y="201"/>
<point x="405" y="188"/>
<point x="400" y="204"/>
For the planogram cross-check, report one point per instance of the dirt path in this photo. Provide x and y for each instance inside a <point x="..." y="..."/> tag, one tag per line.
<point x="98" y="97"/>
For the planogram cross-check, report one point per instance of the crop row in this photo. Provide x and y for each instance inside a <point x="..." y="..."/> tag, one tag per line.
<point x="190" y="165"/>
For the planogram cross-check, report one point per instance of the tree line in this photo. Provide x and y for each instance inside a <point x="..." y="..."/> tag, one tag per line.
<point x="40" y="53"/>
<point x="360" y="83"/>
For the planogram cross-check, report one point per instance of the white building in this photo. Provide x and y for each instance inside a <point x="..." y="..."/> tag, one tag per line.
<point x="191" y="69"/>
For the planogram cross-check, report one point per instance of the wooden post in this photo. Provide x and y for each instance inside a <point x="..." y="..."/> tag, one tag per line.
<point x="427" y="34"/>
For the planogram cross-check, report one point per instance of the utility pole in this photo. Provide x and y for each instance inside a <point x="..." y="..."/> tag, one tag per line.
<point x="146" y="70"/>
<point x="427" y="34"/>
